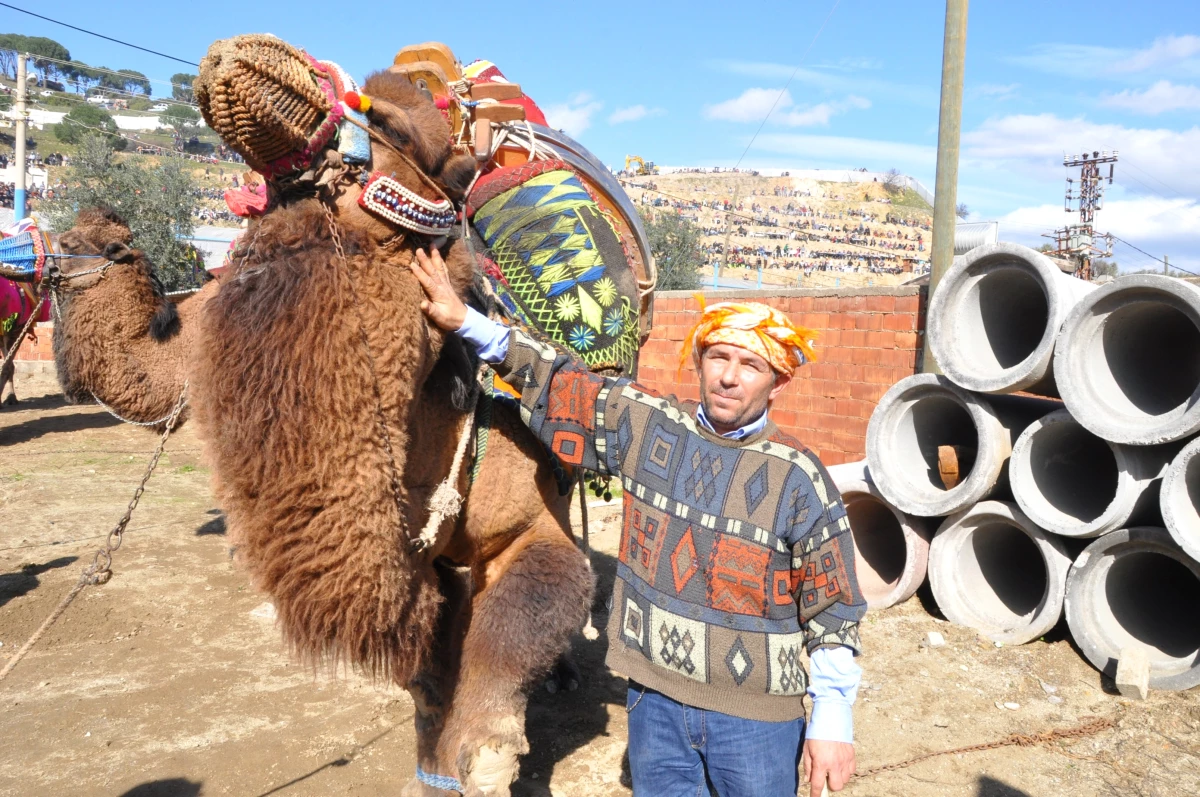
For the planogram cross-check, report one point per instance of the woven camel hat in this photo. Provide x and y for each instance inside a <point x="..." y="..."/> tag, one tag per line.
<point x="269" y="101"/>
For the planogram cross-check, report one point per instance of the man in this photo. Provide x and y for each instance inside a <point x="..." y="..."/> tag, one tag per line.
<point x="735" y="551"/>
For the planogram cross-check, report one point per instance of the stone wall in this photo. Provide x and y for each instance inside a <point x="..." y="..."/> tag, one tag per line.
<point x="869" y="338"/>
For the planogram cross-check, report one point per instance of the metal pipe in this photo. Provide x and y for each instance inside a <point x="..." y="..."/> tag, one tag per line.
<point x="945" y="190"/>
<point x="19" y="205"/>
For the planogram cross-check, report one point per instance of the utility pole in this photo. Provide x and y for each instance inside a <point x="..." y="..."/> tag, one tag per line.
<point x="954" y="53"/>
<point x="1078" y="242"/>
<point x="1166" y="265"/>
<point x="19" y="211"/>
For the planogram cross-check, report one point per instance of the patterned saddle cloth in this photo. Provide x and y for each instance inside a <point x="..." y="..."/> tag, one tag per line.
<point x="556" y="262"/>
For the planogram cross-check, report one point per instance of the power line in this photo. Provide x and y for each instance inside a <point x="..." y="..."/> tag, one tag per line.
<point x="111" y="71"/>
<point x="789" y="82"/>
<point x="1152" y="257"/>
<point x="101" y="36"/>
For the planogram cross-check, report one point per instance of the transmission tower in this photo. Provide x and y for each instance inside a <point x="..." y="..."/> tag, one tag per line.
<point x="1079" y="242"/>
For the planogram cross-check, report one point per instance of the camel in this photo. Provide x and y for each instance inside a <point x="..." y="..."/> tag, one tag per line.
<point x="330" y="411"/>
<point x="117" y="338"/>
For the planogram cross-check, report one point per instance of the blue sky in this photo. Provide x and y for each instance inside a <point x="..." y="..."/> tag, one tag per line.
<point x="688" y="84"/>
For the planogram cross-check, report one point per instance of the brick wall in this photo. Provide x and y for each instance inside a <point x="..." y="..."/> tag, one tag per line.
<point x="870" y="338"/>
<point x="37" y="352"/>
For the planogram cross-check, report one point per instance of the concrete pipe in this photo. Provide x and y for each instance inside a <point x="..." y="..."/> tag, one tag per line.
<point x="1127" y="363"/>
<point x="1071" y="482"/>
<point x="924" y="419"/>
<point x="995" y="316"/>
<point x="994" y="570"/>
<point x="1180" y="499"/>
<point x="1136" y="589"/>
<point x="891" y="548"/>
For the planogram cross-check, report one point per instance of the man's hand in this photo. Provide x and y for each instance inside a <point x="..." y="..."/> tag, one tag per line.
<point x="827" y="761"/>
<point x="441" y="304"/>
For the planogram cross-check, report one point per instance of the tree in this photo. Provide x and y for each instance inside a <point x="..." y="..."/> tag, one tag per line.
<point x="181" y="87"/>
<point x="84" y="121"/>
<point x="157" y="201"/>
<point x="181" y="117"/>
<point x="134" y="81"/>
<point x="893" y="181"/>
<point x="675" y="243"/>
<point x="961" y="210"/>
<point x="1105" y="268"/>
<point x="47" y="49"/>
<point x="81" y="76"/>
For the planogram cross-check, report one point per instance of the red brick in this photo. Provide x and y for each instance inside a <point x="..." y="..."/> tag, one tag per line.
<point x="814" y="320"/>
<point x="865" y="392"/>
<point x="829" y="338"/>
<point x="898" y="322"/>
<point x="881" y="304"/>
<point x="850" y="373"/>
<point x="908" y="304"/>
<point x="906" y="340"/>
<point x="805" y="303"/>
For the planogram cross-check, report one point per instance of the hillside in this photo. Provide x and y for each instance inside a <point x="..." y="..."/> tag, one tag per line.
<point x="799" y="231"/>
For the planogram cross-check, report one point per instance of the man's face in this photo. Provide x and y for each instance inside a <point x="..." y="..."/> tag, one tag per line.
<point x="736" y="386"/>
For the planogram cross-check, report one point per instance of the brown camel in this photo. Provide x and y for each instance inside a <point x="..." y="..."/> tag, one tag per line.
<point x="331" y="411"/>
<point x="117" y="337"/>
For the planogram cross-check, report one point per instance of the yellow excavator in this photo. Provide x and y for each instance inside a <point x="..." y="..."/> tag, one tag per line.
<point x="643" y="168"/>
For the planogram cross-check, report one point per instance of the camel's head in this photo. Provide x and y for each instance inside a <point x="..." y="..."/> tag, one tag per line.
<point x="106" y="288"/>
<point x="305" y="125"/>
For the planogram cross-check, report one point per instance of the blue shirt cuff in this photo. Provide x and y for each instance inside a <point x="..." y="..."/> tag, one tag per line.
<point x="488" y="337"/>
<point x="833" y="688"/>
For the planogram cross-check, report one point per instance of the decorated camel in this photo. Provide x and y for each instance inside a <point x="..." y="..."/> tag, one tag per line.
<point x="332" y="411"/>
<point x="23" y="251"/>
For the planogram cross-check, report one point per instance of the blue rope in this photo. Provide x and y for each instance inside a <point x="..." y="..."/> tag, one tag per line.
<point x="444" y="782"/>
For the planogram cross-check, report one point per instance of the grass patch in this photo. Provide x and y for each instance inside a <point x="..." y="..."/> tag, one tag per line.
<point x="186" y="469"/>
<point x="911" y="199"/>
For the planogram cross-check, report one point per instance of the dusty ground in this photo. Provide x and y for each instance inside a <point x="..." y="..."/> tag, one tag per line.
<point x="166" y="682"/>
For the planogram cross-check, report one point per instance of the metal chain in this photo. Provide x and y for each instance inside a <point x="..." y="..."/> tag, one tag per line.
<point x="1013" y="740"/>
<point x="384" y="433"/>
<point x="113" y="413"/>
<point x="100" y="570"/>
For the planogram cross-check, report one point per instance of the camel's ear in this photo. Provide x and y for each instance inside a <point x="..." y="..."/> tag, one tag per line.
<point x="118" y="252"/>
<point x="456" y="176"/>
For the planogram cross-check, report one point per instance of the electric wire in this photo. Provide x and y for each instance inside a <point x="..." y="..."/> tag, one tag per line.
<point x="101" y="35"/>
<point x="1152" y="257"/>
<point x="112" y="71"/>
<point x="783" y="91"/>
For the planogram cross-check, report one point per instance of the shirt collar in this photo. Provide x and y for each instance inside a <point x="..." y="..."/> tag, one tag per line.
<point x="752" y="428"/>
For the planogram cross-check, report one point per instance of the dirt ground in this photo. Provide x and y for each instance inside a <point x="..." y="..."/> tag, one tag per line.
<point x="169" y="681"/>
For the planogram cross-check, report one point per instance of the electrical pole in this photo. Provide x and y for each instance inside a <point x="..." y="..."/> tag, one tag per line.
<point x="22" y="117"/>
<point x="954" y="53"/>
<point x="1078" y="241"/>
<point x="1166" y="265"/>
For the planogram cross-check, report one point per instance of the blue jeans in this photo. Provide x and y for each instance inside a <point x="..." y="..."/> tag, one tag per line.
<point x="673" y="746"/>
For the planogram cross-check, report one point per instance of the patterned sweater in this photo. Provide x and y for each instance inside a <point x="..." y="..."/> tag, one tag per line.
<point x="735" y="555"/>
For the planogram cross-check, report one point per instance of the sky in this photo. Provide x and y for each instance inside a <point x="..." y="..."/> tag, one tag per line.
<point x="854" y="83"/>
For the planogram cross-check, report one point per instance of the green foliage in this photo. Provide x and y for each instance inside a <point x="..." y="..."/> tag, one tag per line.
<point x="158" y="203"/>
<point x="1105" y="268"/>
<point x="11" y="44"/>
<point x="6" y="101"/>
<point x="181" y="117"/>
<point x="675" y="244"/>
<point x="134" y="81"/>
<point x="182" y="88"/>
<point x="87" y="120"/>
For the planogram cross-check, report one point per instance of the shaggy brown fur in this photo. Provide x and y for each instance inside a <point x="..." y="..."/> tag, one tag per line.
<point x="118" y="338"/>
<point x="300" y="354"/>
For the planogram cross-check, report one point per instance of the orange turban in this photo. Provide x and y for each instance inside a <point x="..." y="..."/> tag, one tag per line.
<point x="755" y="327"/>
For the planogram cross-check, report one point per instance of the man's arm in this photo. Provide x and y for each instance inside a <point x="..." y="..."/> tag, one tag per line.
<point x="559" y="395"/>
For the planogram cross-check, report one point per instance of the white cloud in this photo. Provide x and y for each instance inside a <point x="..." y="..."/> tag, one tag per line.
<point x="995" y="91"/>
<point x="633" y="113"/>
<point x="754" y="104"/>
<point x="1035" y="145"/>
<point x="847" y="153"/>
<point x="1163" y="96"/>
<point x="831" y="79"/>
<point x="1165" y="51"/>
<point x="574" y="116"/>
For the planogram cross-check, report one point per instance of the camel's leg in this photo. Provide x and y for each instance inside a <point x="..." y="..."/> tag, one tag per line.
<point x="433" y="688"/>
<point x="536" y="594"/>
<point x="8" y="376"/>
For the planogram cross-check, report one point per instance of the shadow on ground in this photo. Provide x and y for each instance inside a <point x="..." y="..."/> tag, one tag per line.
<point x="168" y="787"/>
<point x="990" y="787"/>
<point x="25" y="580"/>
<point x="559" y="724"/>
<point x="40" y="426"/>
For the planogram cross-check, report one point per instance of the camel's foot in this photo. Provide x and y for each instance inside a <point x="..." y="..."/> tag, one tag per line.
<point x="490" y="753"/>
<point x="11" y="401"/>
<point x="565" y="677"/>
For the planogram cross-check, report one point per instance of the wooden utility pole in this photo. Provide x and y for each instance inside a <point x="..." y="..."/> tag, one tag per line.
<point x="19" y="209"/>
<point x="1167" y="265"/>
<point x="954" y="53"/>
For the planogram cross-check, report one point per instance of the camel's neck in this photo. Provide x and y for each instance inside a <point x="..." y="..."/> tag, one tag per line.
<point x="104" y="348"/>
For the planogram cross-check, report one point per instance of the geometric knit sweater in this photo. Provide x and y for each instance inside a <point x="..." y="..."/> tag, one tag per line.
<point x="735" y="555"/>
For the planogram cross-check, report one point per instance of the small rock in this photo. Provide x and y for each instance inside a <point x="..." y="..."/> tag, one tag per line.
<point x="963" y="667"/>
<point x="875" y="687"/>
<point x="1055" y="699"/>
<point x="89" y="733"/>
<point x="934" y="639"/>
<point x="1133" y="673"/>
<point x="265" y="610"/>
<point x="941" y="722"/>
<point x="1047" y="688"/>
<point x="924" y="673"/>
<point x="1012" y="706"/>
<point x="999" y="644"/>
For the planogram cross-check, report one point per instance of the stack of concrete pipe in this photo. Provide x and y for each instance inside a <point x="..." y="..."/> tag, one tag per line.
<point x="1081" y="495"/>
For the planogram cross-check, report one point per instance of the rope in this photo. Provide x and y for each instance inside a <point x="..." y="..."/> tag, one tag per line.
<point x="443" y="782"/>
<point x="446" y="500"/>
<point x="483" y="424"/>
<point x="113" y="413"/>
<point x="1088" y="728"/>
<point x="100" y="570"/>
